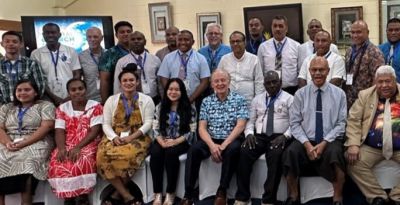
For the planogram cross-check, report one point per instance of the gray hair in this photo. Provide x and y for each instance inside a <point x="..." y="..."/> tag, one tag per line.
<point x="213" y="25"/>
<point x="223" y="71"/>
<point x="385" y="69"/>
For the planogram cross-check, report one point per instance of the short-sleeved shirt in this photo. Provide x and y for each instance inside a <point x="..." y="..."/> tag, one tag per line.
<point x="222" y="116"/>
<point x="197" y="68"/>
<point x="214" y="56"/>
<point x="395" y="59"/>
<point x="57" y="76"/>
<point x="90" y="67"/>
<point x="306" y="49"/>
<point x="163" y="52"/>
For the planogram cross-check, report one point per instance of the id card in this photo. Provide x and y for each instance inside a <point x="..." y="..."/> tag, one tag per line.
<point x="98" y="84"/>
<point x="186" y="82"/>
<point x="124" y="134"/>
<point x="18" y="140"/>
<point x="349" y="79"/>
<point x="145" y="87"/>
<point x="57" y="87"/>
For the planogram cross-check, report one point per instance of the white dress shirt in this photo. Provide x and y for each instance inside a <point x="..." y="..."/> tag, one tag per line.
<point x="336" y="65"/>
<point x="267" y="53"/>
<point x="259" y="114"/>
<point x="306" y="49"/>
<point x="246" y="74"/>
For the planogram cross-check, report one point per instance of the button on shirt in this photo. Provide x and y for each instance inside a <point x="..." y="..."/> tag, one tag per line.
<point x="222" y="116"/>
<point x="90" y="70"/>
<point x="197" y="68"/>
<point x="259" y="114"/>
<point x="306" y="49"/>
<point x="385" y="48"/>
<point x="246" y="75"/>
<point x="68" y="61"/>
<point x="336" y="65"/>
<point x="267" y="54"/>
<point x="151" y="67"/>
<point x="303" y="109"/>
<point x="214" y="57"/>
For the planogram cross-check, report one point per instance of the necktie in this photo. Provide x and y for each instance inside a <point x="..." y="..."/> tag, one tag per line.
<point x="319" y="129"/>
<point x="270" y="118"/>
<point x="391" y="54"/>
<point x="182" y="72"/>
<point x="313" y="45"/>
<point x="387" y="147"/>
<point x="140" y="62"/>
<point x="278" y="57"/>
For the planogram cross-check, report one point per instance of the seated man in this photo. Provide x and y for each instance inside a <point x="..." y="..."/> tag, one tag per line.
<point x="269" y="117"/>
<point x="370" y="139"/>
<point x="317" y="122"/>
<point x="223" y="117"/>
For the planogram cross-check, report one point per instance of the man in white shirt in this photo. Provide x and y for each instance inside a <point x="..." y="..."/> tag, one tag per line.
<point x="336" y="63"/>
<point x="280" y="53"/>
<point x="147" y="65"/>
<point x="244" y="68"/>
<point x="308" y="48"/>
<point x="269" y="118"/>
<point x="59" y="63"/>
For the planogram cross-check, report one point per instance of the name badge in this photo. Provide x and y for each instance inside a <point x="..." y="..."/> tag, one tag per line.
<point x="349" y="79"/>
<point x="57" y="87"/>
<point x="98" y="84"/>
<point x="145" y="87"/>
<point x="186" y="82"/>
<point x="124" y="134"/>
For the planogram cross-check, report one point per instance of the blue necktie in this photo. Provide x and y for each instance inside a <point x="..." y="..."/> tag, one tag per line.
<point x="319" y="129"/>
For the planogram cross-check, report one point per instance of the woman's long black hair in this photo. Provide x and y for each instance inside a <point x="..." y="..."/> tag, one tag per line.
<point x="184" y="109"/>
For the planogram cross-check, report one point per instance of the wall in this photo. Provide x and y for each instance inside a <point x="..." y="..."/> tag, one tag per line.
<point x="14" y="9"/>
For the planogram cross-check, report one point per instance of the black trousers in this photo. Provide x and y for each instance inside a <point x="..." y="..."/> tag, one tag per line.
<point x="199" y="152"/>
<point x="245" y="167"/>
<point x="168" y="158"/>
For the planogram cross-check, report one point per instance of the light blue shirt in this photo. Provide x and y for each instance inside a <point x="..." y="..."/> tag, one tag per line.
<point x="197" y="68"/>
<point x="334" y="112"/>
<point x="213" y="58"/>
<point x="385" y="48"/>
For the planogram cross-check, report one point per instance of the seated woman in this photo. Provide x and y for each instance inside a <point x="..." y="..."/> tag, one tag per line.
<point x="174" y="127"/>
<point x="72" y="169"/>
<point x="25" y="144"/>
<point x="128" y="117"/>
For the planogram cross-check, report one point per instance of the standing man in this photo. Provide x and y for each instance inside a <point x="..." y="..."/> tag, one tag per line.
<point x="111" y="56"/>
<point x="188" y="65"/>
<point x="15" y="67"/>
<point x="337" y="70"/>
<point x="317" y="122"/>
<point x="170" y="38"/>
<point x="308" y="48"/>
<point x="280" y="54"/>
<point x="89" y="60"/>
<point x="362" y="60"/>
<point x="147" y="65"/>
<point x="256" y="30"/>
<point x="244" y="68"/>
<point x="215" y="48"/>
<point x="59" y="63"/>
<point x="391" y="49"/>
<point x="269" y="117"/>
<point x="223" y="117"/>
<point x="372" y="135"/>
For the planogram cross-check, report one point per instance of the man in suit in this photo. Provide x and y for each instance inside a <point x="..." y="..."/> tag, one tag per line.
<point x="372" y="136"/>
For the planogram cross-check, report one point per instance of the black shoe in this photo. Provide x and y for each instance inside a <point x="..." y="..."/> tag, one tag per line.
<point x="337" y="203"/>
<point x="290" y="201"/>
<point x="186" y="201"/>
<point x="378" y="201"/>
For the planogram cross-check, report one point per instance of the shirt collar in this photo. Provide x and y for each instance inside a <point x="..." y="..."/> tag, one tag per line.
<point x="283" y="40"/>
<point x="136" y="55"/>
<point x="323" y="87"/>
<point x="228" y="97"/>
<point x="187" y="52"/>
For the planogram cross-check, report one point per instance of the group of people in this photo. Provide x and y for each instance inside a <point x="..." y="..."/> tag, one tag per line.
<point x="68" y="117"/>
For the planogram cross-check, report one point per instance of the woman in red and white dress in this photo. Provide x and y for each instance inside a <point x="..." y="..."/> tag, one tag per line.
<point x="72" y="170"/>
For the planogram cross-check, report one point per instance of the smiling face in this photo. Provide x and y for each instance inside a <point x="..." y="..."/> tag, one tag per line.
<point x="359" y="33"/>
<point x="137" y="42"/>
<point x="393" y="32"/>
<point x="313" y="28"/>
<point x="185" y="42"/>
<point x="11" y="44"/>
<point x="385" y="85"/>
<point x="319" y="70"/>
<point x="220" y="82"/>
<point x="51" y="34"/>
<point x="237" y="43"/>
<point x="322" y="43"/>
<point x="128" y="83"/>
<point x="214" y="36"/>
<point x="25" y="93"/>
<point x="94" y="38"/>
<point x="174" y="92"/>
<point x="77" y="91"/>
<point x="123" y="34"/>
<point x="272" y="83"/>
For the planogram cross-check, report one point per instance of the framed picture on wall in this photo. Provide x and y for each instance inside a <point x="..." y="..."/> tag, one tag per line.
<point x="341" y="20"/>
<point x="393" y="11"/>
<point x="203" y="19"/>
<point x="293" y="13"/>
<point x="160" y="20"/>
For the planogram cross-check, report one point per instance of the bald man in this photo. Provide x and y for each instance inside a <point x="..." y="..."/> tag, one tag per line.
<point x="170" y="39"/>
<point x="147" y="65"/>
<point x="362" y="60"/>
<point x="89" y="60"/>
<point x="308" y="48"/>
<point x="317" y="122"/>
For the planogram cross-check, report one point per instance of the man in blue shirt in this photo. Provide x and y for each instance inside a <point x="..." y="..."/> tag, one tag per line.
<point x="256" y="37"/>
<point x="391" y="49"/>
<point x="223" y="117"/>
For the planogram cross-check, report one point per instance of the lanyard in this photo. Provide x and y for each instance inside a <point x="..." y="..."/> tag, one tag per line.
<point x="214" y="57"/>
<point x="94" y="58"/>
<point x="183" y="62"/>
<point x="279" y="51"/>
<point x="55" y="61"/>
<point x="21" y="113"/>
<point x="389" y="58"/>
<point x="272" y="100"/>
<point x="354" y="54"/>
<point x="253" y="45"/>
<point x="141" y="63"/>
<point x="328" y="54"/>
<point x="129" y="109"/>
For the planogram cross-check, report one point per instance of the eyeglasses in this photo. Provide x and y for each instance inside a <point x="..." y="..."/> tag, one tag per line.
<point x="213" y="34"/>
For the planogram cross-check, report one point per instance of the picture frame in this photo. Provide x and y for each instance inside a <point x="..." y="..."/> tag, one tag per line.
<point x="388" y="9"/>
<point x="160" y="20"/>
<point x="341" y="21"/>
<point x="293" y="13"/>
<point x="203" y="19"/>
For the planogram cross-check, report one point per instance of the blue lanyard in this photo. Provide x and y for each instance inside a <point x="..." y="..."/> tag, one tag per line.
<point x="272" y="100"/>
<point x="55" y="61"/>
<point x="129" y="109"/>
<point x="183" y="62"/>
<point x="389" y="58"/>
<point x="279" y="51"/>
<point x="94" y="58"/>
<point x="141" y="63"/>
<point x="21" y="113"/>
<point x="355" y="53"/>
<point x="253" y="45"/>
<point x="328" y="54"/>
<point x="122" y="50"/>
<point x="214" y="57"/>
